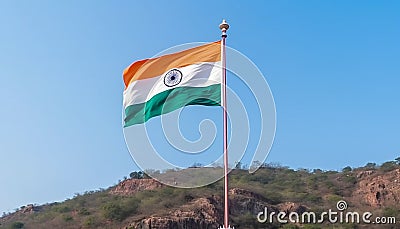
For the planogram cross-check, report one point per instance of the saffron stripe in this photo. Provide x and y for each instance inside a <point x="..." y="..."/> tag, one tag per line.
<point x="154" y="67"/>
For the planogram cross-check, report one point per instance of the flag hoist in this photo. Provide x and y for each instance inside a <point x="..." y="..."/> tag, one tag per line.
<point x="224" y="27"/>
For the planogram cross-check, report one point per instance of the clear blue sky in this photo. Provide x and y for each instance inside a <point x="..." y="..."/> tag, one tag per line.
<point x="333" y="68"/>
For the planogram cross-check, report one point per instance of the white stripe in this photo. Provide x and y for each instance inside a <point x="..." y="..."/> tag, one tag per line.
<point x="195" y="75"/>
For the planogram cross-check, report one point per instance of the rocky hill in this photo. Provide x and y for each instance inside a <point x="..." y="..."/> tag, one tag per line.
<point x="378" y="190"/>
<point x="148" y="204"/>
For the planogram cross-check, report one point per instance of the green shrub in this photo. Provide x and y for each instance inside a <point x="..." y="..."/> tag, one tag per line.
<point x="311" y="226"/>
<point x="370" y="165"/>
<point x="249" y="220"/>
<point x="113" y="211"/>
<point x="388" y="166"/>
<point x="89" y="222"/>
<point x="17" y="225"/>
<point x="136" y="175"/>
<point x="130" y="206"/>
<point x="350" y="179"/>
<point x="347" y="169"/>
<point x="67" y="218"/>
<point x="389" y="212"/>
<point x="188" y="197"/>
<point x="119" y="209"/>
<point x="334" y="198"/>
<point x="83" y="211"/>
<point x="313" y="198"/>
<point x="290" y="226"/>
<point x="61" y="209"/>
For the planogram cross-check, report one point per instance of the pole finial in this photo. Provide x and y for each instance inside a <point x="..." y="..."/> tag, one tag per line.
<point x="224" y="26"/>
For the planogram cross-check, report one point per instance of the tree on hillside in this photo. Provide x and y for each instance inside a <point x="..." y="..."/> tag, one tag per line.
<point x="238" y="165"/>
<point x="388" y="166"/>
<point x="136" y="175"/>
<point x="397" y="160"/>
<point x="370" y="165"/>
<point x="346" y="169"/>
<point x="196" y="165"/>
<point x="17" y="225"/>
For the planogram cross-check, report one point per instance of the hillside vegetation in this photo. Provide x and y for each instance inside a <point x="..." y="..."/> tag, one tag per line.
<point x="139" y="202"/>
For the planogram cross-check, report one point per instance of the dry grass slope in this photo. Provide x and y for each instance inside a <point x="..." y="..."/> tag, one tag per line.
<point x="145" y="203"/>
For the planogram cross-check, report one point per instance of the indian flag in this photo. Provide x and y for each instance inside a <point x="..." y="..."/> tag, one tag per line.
<point x="163" y="84"/>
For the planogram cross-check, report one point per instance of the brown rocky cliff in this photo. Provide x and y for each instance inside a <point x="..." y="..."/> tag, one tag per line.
<point x="244" y="201"/>
<point x="205" y="213"/>
<point x="132" y="186"/>
<point x="378" y="190"/>
<point x="200" y="213"/>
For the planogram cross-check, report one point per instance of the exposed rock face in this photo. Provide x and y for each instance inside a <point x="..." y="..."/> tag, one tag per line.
<point x="201" y="213"/>
<point x="291" y="207"/>
<point x="24" y="210"/>
<point x="132" y="186"/>
<point x="205" y="213"/>
<point x="177" y="223"/>
<point x="378" y="190"/>
<point x="244" y="201"/>
<point x="244" y="192"/>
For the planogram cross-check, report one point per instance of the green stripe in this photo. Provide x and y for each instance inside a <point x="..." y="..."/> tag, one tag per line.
<point x="171" y="100"/>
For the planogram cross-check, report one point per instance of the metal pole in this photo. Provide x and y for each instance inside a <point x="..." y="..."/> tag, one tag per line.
<point x="224" y="27"/>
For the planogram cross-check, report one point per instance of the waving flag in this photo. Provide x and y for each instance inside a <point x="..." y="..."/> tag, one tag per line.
<point x="163" y="84"/>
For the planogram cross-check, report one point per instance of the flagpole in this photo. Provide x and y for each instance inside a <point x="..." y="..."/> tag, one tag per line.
<point x="224" y="27"/>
